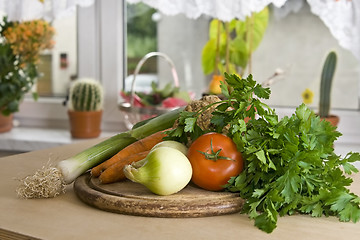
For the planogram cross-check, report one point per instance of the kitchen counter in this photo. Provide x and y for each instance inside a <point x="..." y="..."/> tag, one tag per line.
<point x="66" y="217"/>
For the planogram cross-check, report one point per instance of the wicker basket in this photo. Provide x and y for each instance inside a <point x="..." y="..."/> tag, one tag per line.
<point x="134" y="114"/>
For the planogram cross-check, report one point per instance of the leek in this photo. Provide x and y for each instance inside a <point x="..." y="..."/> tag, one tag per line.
<point x="51" y="181"/>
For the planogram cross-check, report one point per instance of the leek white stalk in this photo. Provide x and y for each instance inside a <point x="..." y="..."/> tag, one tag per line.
<point x="41" y="184"/>
<point x="164" y="171"/>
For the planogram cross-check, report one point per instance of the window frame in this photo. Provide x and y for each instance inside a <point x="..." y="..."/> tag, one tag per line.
<point x="100" y="56"/>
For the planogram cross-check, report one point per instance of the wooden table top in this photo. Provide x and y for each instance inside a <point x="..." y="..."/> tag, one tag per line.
<point x="66" y="217"/>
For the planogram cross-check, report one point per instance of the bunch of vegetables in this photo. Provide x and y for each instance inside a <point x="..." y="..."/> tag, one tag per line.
<point x="290" y="164"/>
<point x="167" y="97"/>
<point x="286" y="166"/>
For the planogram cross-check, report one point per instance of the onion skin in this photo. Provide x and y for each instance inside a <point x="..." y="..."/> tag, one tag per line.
<point x="173" y="144"/>
<point x="165" y="171"/>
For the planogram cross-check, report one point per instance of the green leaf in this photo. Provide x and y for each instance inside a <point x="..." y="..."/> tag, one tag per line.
<point x="350" y="213"/>
<point x="189" y="124"/>
<point x="222" y="107"/>
<point x="261" y="156"/>
<point x="213" y="29"/>
<point x="264" y="223"/>
<point x="218" y="120"/>
<point x="260" y="22"/>
<point x="239" y="53"/>
<point x="224" y="90"/>
<point x="341" y="201"/>
<point x="262" y="92"/>
<point x="178" y="132"/>
<point x="317" y="210"/>
<point x="349" y="168"/>
<point x="208" y="56"/>
<point x="258" y="193"/>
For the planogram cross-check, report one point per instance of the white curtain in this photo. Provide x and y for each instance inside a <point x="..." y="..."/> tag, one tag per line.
<point x="23" y="10"/>
<point x="342" y="17"/>
<point x="225" y="10"/>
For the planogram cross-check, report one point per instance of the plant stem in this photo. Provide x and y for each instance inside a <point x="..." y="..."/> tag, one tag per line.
<point x="250" y="25"/>
<point x="227" y="56"/>
<point x="217" y="58"/>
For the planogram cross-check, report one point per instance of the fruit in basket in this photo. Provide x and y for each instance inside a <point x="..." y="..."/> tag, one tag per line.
<point x="172" y="102"/>
<point x="169" y="97"/>
<point x="137" y="100"/>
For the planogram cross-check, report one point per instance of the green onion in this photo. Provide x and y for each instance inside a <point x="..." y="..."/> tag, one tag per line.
<point x="50" y="183"/>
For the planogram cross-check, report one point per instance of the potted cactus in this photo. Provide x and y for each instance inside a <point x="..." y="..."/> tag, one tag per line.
<point x="327" y="76"/>
<point x="85" y="108"/>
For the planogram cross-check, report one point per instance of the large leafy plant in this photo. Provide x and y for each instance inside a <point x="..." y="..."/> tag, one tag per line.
<point x="20" y="46"/>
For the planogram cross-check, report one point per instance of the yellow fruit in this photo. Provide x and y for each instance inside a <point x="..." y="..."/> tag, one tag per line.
<point x="214" y="86"/>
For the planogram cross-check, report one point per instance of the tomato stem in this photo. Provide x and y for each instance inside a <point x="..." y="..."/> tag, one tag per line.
<point x="214" y="156"/>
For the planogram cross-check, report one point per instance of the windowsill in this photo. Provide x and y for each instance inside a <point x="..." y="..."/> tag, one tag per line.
<point x="24" y="139"/>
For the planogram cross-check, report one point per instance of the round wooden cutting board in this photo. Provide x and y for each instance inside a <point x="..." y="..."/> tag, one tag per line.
<point x="131" y="198"/>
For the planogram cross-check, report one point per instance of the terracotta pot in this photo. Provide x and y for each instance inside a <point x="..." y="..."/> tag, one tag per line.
<point x="6" y="123"/>
<point x="85" y="124"/>
<point x="333" y="119"/>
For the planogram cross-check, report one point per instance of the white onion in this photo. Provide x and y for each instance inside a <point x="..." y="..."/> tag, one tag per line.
<point x="164" y="171"/>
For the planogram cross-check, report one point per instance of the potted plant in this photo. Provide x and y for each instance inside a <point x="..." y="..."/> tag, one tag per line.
<point x="230" y="46"/>
<point x="85" y="107"/>
<point x="20" y="47"/>
<point x="327" y="76"/>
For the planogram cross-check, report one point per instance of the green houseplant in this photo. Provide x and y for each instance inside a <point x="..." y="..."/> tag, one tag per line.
<point x="230" y="46"/>
<point x="327" y="77"/>
<point x="20" y="47"/>
<point x="85" y="107"/>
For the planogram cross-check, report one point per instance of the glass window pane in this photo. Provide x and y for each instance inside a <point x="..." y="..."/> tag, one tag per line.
<point x="297" y="44"/>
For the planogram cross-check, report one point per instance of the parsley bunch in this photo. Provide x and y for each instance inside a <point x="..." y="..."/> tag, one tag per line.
<point x="290" y="164"/>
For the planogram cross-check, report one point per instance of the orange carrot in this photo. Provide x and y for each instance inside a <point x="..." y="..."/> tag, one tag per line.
<point x="115" y="172"/>
<point x="141" y="145"/>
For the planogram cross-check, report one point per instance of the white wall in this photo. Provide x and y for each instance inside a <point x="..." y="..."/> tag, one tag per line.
<point x="299" y="44"/>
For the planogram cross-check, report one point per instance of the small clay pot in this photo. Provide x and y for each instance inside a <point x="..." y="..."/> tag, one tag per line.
<point x="6" y="123"/>
<point x="333" y="119"/>
<point x="85" y="124"/>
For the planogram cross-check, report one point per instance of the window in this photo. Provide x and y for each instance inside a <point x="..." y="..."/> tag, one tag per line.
<point x="100" y="56"/>
<point x="297" y="44"/>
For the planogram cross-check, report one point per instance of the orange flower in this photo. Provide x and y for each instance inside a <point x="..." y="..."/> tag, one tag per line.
<point x="29" y="38"/>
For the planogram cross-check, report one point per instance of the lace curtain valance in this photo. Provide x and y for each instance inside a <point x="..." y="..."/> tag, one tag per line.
<point x="342" y="17"/>
<point x="23" y="10"/>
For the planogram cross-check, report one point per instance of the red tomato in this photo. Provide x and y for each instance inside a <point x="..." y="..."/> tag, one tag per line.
<point x="209" y="172"/>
